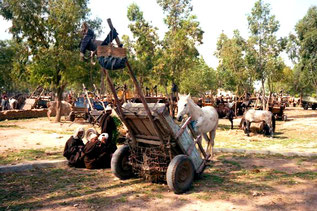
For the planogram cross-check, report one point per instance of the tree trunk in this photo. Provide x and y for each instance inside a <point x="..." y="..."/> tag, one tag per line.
<point x="102" y="83"/>
<point x="263" y="94"/>
<point x="59" y="104"/>
<point x="90" y="76"/>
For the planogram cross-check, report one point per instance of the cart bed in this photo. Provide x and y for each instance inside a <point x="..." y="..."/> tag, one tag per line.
<point x="144" y="132"/>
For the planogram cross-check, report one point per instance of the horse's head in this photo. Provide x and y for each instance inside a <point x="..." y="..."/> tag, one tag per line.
<point x="182" y="106"/>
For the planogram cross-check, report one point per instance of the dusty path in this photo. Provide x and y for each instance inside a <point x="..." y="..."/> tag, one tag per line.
<point x="36" y="134"/>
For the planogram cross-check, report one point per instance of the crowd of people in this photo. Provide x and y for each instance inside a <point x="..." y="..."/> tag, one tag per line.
<point x="97" y="152"/>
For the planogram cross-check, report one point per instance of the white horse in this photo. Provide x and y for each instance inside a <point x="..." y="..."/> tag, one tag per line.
<point x="206" y="118"/>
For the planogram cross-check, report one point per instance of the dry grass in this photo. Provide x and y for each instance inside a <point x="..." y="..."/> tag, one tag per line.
<point x="24" y="155"/>
<point x="231" y="177"/>
<point x="297" y="134"/>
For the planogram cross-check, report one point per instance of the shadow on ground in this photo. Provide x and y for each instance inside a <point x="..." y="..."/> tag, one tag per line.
<point x="232" y="178"/>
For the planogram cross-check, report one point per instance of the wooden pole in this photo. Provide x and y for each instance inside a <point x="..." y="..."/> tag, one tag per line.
<point x="118" y="106"/>
<point x="87" y="96"/>
<point x="139" y="90"/>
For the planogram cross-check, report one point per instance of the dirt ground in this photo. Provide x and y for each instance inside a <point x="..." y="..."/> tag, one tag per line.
<point x="298" y="133"/>
<point x="232" y="182"/>
<point x="36" y="133"/>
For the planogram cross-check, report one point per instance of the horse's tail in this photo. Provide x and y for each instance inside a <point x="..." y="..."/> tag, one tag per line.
<point x="273" y="122"/>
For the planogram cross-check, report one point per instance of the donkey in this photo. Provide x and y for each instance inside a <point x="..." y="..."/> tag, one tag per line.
<point x="259" y="116"/>
<point x="66" y="108"/>
<point x="205" y="119"/>
<point x="225" y="111"/>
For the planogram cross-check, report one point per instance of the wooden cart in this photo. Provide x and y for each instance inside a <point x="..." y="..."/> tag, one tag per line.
<point x="309" y="102"/>
<point x="278" y="111"/>
<point x="157" y="148"/>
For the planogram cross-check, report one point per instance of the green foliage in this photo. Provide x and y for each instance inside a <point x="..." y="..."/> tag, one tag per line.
<point x="47" y="31"/>
<point x="118" y="124"/>
<point x="7" y="55"/>
<point x="264" y="48"/>
<point x="306" y="30"/>
<point x="178" y="53"/>
<point x="144" y="46"/>
<point x="199" y="79"/>
<point x="301" y="49"/>
<point x="233" y="64"/>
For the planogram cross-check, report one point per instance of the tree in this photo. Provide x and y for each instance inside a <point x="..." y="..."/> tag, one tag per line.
<point x="7" y="55"/>
<point x="300" y="82"/>
<point x="49" y="29"/>
<point x="199" y="79"/>
<point x="232" y="64"/>
<point x="306" y="30"/>
<point x="144" y="46"/>
<point x="178" y="53"/>
<point x="263" y="44"/>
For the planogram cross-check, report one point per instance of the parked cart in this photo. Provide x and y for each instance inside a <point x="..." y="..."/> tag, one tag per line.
<point x="309" y="102"/>
<point x="278" y="111"/>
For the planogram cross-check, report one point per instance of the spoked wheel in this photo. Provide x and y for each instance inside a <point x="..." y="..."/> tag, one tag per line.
<point x="120" y="163"/>
<point x="306" y="106"/>
<point x="180" y="174"/>
<point x="72" y="116"/>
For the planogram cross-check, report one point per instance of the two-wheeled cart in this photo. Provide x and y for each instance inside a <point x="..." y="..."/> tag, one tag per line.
<point x="157" y="148"/>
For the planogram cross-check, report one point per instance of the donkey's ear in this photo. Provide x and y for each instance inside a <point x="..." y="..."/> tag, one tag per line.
<point x="180" y="95"/>
<point x="188" y="96"/>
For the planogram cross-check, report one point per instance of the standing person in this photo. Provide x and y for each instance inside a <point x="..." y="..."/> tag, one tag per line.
<point x="5" y="101"/>
<point x="174" y="98"/>
<point x="73" y="150"/>
<point x="108" y="125"/>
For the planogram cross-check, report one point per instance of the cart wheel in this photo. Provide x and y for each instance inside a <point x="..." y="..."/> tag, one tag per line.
<point x="72" y="116"/>
<point x="119" y="163"/>
<point x="284" y="118"/>
<point x="85" y="117"/>
<point x="180" y="174"/>
<point x="89" y="132"/>
<point x="314" y="107"/>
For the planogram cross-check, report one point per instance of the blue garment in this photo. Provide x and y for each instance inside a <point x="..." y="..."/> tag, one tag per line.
<point x="193" y="124"/>
<point x="112" y="63"/>
<point x="87" y="42"/>
<point x="111" y="36"/>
